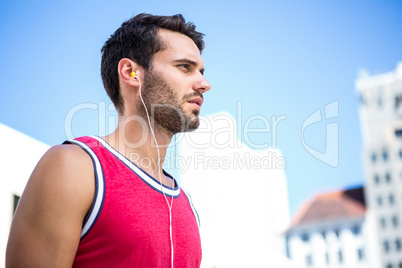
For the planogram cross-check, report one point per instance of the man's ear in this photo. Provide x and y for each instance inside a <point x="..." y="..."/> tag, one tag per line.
<point x="125" y="69"/>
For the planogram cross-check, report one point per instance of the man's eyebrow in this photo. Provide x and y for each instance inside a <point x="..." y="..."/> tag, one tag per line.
<point x="188" y="61"/>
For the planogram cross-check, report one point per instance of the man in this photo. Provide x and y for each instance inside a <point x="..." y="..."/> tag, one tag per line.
<point x="95" y="202"/>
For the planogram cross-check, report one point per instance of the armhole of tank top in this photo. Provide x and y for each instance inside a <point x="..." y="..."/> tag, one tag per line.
<point x="97" y="204"/>
<point x="192" y="208"/>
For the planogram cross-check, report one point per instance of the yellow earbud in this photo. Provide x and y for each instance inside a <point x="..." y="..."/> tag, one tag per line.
<point x="132" y="74"/>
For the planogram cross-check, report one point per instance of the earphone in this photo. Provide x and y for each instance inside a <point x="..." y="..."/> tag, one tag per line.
<point x="133" y="75"/>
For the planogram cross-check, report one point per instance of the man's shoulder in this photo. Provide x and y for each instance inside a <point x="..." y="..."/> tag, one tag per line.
<point x="66" y="154"/>
<point x="66" y="161"/>
<point x="64" y="174"/>
<point x="52" y="208"/>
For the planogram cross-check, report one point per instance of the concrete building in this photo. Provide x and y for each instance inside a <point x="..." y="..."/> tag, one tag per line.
<point x="331" y="231"/>
<point x="240" y="194"/>
<point x="19" y="155"/>
<point x="381" y="123"/>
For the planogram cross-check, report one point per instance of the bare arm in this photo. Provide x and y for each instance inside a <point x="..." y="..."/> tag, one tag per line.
<point x="46" y="228"/>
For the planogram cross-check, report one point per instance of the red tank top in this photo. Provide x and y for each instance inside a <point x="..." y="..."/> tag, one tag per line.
<point x="128" y="224"/>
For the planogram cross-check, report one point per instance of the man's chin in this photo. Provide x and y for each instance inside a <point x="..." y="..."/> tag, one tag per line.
<point x="192" y="124"/>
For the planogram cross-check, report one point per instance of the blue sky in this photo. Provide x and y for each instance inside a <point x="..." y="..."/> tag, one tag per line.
<point x="276" y="58"/>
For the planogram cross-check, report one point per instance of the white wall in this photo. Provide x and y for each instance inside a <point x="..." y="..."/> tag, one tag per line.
<point x="240" y="195"/>
<point x="19" y="154"/>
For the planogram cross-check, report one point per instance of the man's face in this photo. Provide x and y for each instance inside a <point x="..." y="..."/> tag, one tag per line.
<point x="174" y="84"/>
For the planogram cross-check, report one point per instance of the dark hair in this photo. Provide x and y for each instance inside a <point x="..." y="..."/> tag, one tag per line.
<point x="137" y="40"/>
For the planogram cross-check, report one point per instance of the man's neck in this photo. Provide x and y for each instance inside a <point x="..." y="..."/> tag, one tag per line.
<point x="136" y="142"/>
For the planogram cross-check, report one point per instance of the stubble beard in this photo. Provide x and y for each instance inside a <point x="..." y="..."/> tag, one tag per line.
<point x="164" y="107"/>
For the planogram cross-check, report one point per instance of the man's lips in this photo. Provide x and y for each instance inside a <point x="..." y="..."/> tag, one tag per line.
<point x="197" y="101"/>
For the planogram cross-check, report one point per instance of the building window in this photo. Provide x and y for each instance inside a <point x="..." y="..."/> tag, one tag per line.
<point x="340" y="256"/>
<point x="16" y="199"/>
<point x="305" y="237"/>
<point x="382" y="222"/>
<point x="337" y="233"/>
<point x="362" y="99"/>
<point x="386" y="246"/>
<point x="287" y="247"/>
<point x="379" y="201"/>
<point x="376" y="179"/>
<point x="324" y="235"/>
<point x="395" y="221"/>
<point x="387" y="177"/>
<point x="360" y="254"/>
<point x="391" y="199"/>
<point x="309" y="260"/>
<point x="398" y="244"/>
<point x="356" y="230"/>
<point x="398" y="133"/>
<point x="398" y="101"/>
<point x="379" y="102"/>
<point x="373" y="158"/>
<point x="327" y="258"/>
<point x="385" y="155"/>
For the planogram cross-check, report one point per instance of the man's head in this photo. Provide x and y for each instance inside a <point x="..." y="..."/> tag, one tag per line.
<point x="174" y="85"/>
<point x="137" y="39"/>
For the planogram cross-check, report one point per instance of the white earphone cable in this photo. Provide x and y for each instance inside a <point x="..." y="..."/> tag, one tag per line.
<point x="160" y="176"/>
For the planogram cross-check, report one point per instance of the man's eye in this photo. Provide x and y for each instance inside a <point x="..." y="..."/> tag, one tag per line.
<point x="186" y="67"/>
